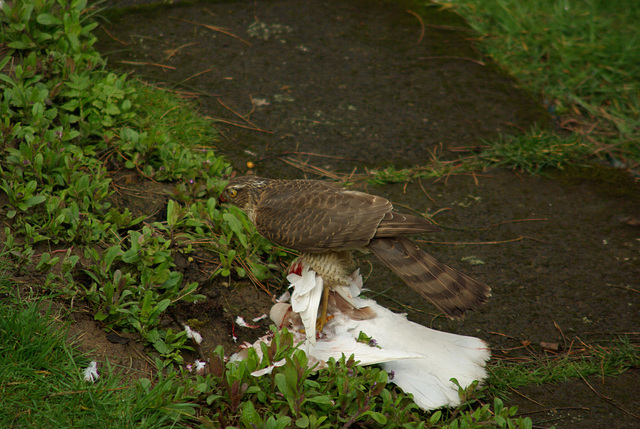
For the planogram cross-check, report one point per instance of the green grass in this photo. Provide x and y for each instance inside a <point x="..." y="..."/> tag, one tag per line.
<point x="604" y="361"/>
<point x="42" y="382"/>
<point x="582" y="55"/>
<point x="534" y="152"/>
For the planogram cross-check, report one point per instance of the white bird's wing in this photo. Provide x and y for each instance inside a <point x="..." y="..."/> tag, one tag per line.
<point x="339" y="341"/>
<point x="442" y="356"/>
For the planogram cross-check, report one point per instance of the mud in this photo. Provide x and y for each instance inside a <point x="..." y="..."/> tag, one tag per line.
<point x="348" y="86"/>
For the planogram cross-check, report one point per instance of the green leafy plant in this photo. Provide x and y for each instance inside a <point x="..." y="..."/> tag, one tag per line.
<point x="292" y="393"/>
<point x="67" y="128"/>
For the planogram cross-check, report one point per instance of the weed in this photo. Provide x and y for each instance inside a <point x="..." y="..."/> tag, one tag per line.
<point x="343" y="394"/>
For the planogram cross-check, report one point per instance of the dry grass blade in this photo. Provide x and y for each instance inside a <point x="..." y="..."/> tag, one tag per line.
<point x="214" y="28"/>
<point x="172" y="52"/>
<point x="608" y="399"/>
<point x="307" y="168"/>
<point x="236" y="124"/>
<point x="141" y="63"/>
<point x="421" y="25"/>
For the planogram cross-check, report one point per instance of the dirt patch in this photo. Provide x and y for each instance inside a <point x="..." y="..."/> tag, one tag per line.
<point x="355" y="85"/>
<point x="597" y="402"/>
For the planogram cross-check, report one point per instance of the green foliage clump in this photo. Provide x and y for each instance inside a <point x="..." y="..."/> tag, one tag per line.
<point x="43" y="385"/>
<point x="67" y="128"/>
<point x="291" y="394"/>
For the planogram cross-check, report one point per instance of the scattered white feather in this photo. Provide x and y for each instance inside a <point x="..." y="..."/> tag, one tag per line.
<point x="305" y="299"/>
<point x="243" y="324"/>
<point x="240" y="322"/>
<point x="91" y="372"/>
<point x="199" y="365"/>
<point x="259" y="318"/>
<point x="269" y="369"/>
<point x="193" y="334"/>
<point x="285" y="297"/>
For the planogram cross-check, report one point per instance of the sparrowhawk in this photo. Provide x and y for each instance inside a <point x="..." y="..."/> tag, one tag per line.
<point x="326" y="222"/>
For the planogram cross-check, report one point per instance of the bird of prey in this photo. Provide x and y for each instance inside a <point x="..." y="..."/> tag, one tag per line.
<point x="326" y="223"/>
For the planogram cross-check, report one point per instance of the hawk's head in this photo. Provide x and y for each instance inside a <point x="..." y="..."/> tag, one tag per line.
<point x="243" y="191"/>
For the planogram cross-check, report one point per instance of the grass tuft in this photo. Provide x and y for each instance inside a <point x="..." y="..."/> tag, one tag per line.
<point x="598" y="360"/>
<point x="535" y="151"/>
<point x="582" y="55"/>
<point x="42" y="382"/>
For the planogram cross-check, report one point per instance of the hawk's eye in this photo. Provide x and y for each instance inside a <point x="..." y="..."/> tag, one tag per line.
<point x="233" y="193"/>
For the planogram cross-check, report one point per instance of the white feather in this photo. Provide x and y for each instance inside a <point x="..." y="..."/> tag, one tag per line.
<point x="341" y="339"/>
<point x="305" y="299"/>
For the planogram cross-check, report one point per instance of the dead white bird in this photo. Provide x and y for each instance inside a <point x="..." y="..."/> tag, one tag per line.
<point x="423" y="361"/>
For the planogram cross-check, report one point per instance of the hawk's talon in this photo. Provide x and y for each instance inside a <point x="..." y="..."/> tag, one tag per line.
<point x="321" y="322"/>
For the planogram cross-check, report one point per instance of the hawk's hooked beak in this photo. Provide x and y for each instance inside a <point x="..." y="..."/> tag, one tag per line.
<point x="222" y="199"/>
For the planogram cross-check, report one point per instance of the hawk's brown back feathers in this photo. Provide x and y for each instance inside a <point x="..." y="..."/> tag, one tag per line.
<point x="315" y="217"/>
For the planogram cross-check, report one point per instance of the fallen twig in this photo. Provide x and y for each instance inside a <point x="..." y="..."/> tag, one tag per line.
<point x="196" y="75"/>
<point x="627" y="288"/>
<point x="172" y="52"/>
<point x="211" y="118"/>
<point x="253" y="278"/>
<point x="606" y="398"/>
<point x="310" y="168"/>
<point x="237" y="114"/>
<point x="114" y="38"/>
<point x="214" y="28"/>
<point x="421" y="25"/>
<point x="525" y="396"/>
<point x="140" y="63"/>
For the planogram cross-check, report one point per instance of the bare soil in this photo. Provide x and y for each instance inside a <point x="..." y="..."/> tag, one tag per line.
<point x="345" y="86"/>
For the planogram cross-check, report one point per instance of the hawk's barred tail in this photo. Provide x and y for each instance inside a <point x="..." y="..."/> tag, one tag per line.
<point x="451" y="291"/>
